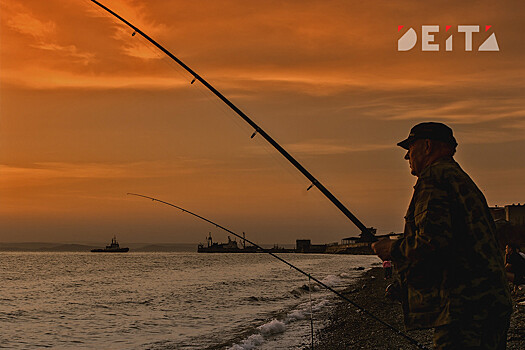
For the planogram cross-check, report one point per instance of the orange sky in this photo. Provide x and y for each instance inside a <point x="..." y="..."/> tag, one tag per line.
<point x="89" y="112"/>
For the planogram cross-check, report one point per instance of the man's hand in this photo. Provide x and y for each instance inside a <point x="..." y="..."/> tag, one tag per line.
<point x="382" y="248"/>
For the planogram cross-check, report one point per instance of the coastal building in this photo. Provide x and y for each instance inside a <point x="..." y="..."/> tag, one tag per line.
<point x="513" y="214"/>
<point x="498" y="214"/>
<point x="306" y="246"/>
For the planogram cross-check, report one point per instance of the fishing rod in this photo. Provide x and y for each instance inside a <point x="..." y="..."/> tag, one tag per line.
<point x="256" y="128"/>
<point x="397" y="331"/>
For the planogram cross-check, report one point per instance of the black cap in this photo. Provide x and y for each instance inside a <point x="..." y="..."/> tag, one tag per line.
<point x="429" y="130"/>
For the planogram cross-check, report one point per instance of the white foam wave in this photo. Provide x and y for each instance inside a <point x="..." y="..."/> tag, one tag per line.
<point x="303" y="310"/>
<point x="296" y="315"/>
<point x="273" y="327"/>
<point x="332" y="280"/>
<point x="266" y="330"/>
<point x="249" y="343"/>
<point x="320" y="305"/>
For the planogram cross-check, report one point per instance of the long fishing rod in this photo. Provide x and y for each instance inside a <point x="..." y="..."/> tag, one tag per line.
<point x="256" y="128"/>
<point x="399" y="332"/>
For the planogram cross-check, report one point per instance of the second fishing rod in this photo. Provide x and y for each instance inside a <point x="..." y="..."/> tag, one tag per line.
<point x="339" y="294"/>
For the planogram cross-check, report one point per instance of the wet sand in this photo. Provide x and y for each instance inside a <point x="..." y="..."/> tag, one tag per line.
<point x="349" y="328"/>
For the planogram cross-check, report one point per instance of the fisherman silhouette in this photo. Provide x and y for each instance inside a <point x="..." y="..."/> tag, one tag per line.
<point x="449" y="263"/>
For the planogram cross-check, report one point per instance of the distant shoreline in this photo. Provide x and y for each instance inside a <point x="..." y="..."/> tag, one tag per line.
<point x="86" y="247"/>
<point x="73" y="247"/>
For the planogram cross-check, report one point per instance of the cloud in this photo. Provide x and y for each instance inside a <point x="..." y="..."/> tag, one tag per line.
<point x="324" y="148"/>
<point x="55" y="79"/>
<point x="137" y="14"/>
<point x="44" y="33"/>
<point x="26" y="23"/>
<point x="470" y="111"/>
<point x="142" y="51"/>
<point x="70" y="50"/>
<point x="135" y="170"/>
<point x="492" y="133"/>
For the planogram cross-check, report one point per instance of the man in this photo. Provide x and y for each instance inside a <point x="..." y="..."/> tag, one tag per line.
<point x="514" y="265"/>
<point x="448" y="260"/>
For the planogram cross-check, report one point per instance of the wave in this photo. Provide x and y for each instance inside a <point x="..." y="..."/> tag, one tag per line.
<point x="299" y="313"/>
<point x="270" y="329"/>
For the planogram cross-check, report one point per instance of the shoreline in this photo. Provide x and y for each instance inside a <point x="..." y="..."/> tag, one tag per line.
<point x="349" y="328"/>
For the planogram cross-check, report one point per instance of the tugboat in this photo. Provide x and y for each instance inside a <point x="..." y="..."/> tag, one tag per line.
<point x="112" y="248"/>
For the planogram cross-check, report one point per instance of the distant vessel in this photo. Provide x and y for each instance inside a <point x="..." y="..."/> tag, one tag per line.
<point x="230" y="247"/>
<point x="112" y="248"/>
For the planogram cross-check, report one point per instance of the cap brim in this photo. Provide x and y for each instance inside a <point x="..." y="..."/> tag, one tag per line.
<point x="410" y="140"/>
<point x="406" y="143"/>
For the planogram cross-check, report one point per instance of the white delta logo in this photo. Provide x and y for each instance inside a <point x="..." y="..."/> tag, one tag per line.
<point x="409" y="39"/>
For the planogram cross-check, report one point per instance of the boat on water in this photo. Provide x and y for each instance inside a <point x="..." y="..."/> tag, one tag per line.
<point x="233" y="247"/>
<point x="230" y="247"/>
<point x="114" y="247"/>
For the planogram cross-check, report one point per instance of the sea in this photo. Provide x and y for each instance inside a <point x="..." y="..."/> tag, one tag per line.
<point x="168" y="300"/>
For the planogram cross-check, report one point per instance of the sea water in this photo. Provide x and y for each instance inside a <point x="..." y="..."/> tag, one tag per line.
<point x="180" y="300"/>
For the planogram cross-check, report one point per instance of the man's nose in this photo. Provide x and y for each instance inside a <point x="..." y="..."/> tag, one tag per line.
<point x="407" y="157"/>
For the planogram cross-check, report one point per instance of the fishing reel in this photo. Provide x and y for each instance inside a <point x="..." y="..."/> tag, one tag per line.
<point x="393" y="291"/>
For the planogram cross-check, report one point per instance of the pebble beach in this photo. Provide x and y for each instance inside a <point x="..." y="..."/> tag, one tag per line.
<point x="349" y="328"/>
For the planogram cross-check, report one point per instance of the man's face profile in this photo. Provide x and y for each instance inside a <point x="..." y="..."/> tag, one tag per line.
<point x="416" y="156"/>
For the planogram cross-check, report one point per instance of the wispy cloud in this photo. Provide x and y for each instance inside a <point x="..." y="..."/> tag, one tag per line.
<point x="61" y="170"/>
<point x="24" y="22"/>
<point x="43" y="32"/>
<point x="493" y="133"/>
<point x="138" y="15"/>
<point x="325" y="147"/>
<point x="55" y="79"/>
<point x="321" y="147"/>
<point x="469" y="111"/>
<point x="70" y="50"/>
<point x="142" y="50"/>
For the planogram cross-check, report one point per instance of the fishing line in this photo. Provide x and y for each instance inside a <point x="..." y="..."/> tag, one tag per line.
<point x="397" y="331"/>
<point x="311" y="310"/>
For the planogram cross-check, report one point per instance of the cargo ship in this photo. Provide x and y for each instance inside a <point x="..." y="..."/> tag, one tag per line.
<point x="114" y="247"/>
<point x="233" y="247"/>
<point x="230" y="247"/>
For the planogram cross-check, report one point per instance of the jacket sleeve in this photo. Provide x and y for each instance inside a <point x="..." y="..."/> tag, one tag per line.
<point x="428" y="233"/>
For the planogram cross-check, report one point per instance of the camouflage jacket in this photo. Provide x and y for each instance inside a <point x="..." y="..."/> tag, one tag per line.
<point x="448" y="259"/>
